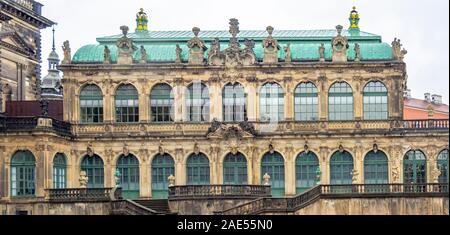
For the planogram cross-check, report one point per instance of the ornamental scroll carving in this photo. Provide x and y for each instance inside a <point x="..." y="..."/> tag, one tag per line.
<point x="271" y="48"/>
<point x="340" y="46"/>
<point x="197" y="48"/>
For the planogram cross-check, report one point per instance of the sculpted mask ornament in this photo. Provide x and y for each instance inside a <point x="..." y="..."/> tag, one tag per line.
<point x="341" y="148"/>
<point x="306" y="148"/>
<point x="125" y="150"/>
<point x="196" y="148"/>
<point x="271" y="148"/>
<point x="161" y="150"/>
<point x="375" y="148"/>
<point x="90" y="150"/>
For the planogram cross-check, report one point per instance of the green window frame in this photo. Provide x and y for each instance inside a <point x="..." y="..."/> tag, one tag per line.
<point x="442" y="162"/>
<point x="340" y="102"/>
<point x="198" y="170"/>
<point x="234" y="103"/>
<point x="162" y="167"/>
<point x="273" y="164"/>
<point x="23" y="174"/>
<point x="127" y="104"/>
<point x="376" y="168"/>
<point x="59" y="171"/>
<point x="161" y="104"/>
<point x="341" y="168"/>
<point x="306" y="101"/>
<point x="271" y="103"/>
<point x="197" y="103"/>
<point x="306" y="166"/>
<point x="235" y="169"/>
<point x="94" y="168"/>
<point x="415" y="167"/>
<point x="375" y="101"/>
<point x="91" y="105"/>
<point x="128" y="167"/>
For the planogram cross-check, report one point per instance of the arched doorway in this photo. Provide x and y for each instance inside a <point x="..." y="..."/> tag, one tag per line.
<point x="23" y="174"/>
<point x="128" y="167"/>
<point x="162" y="167"/>
<point x="235" y="169"/>
<point x="93" y="166"/>
<point x="273" y="164"/>
<point x="306" y="167"/>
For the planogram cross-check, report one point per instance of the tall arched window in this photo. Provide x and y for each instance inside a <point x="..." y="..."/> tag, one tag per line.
<point x="376" y="168"/>
<point x="235" y="169"/>
<point x="198" y="170"/>
<point x="272" y="102"/>
<point x="93" y="166"/>
<point x="91" y="104"/>
<point x="23" y="174"/>
<point x="375" y="101"/>
<point x="415" y="167"/>
<point x="306" y="167"/>
<point x="128" y="167"/>
<point x="443" y="166"/>
<point x="163" y="166"/>
<point x="341" y="168"/>
<point x="306" y="102"/>
<point x="340" y="102"/>
<point x="197" y="103"/>
<point x="273" y="164"/>
<point x="161" y="102"/>
<point x="127" y="104"/>
<point x="59" y="171"/>
<point x="234" y="103"/>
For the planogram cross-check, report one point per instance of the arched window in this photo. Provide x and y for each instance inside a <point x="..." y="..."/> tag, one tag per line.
<point x="163" y="166"/>
<point x="198" y="170"/>
<point x="415" y="167"/>
<point x="443" y="166"/>
<point x="128" y="167"/>
<point x="272" y="102"/>
<point x="93" y="166"/>
<point x="91" y="104"/>
<point x="23" y="174"/>
<point x="235" y="170"/>
<point x="59" y="171"/>
<point x="340" y="102"/>
<point x="376" y="168"/>
<point x="197" y="103"/>
<point x="306" y="102"/>
<point x="341" y="168"/>
<point x="127" y="104"/>
<point x="161" y="102"/>
<point x="273" y="164"/>
<point x="375" y="101"/>
<point x="234" y="103"/>
<point x="306" y="167"/>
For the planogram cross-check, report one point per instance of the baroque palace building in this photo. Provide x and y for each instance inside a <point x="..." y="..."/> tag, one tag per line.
<point x="290" y="108"/>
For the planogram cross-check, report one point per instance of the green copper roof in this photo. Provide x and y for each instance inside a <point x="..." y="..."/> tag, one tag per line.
<point x="304" y="44"/>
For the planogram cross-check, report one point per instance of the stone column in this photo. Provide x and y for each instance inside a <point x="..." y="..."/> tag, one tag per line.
<point x="144" y="106"/>
<point x="289" y="174"/>
<point x="40" y="170"/>
<point x="359" y="164"/>
<point x="252" y="102"/>
<point x="324" y="165"/>
<point x="109" y="171"/>
<point x="323" y="99"/>
<point x="250" y="166"/>
<point x="3" y="177"/>
<point x="289" y="105"/>
<point x="179" y="103"/>
<point x="48" y="161"/>
<point x="358" y="101"/>
<point x="145" y="171"/>
<point x="431" y="164"/>
<point x="72" y="170"/>
<point x="180" y="168"/>
<point x="108" y="106"/>
<point x="214" y="165"/>
<point x="256" y="167"/>
<point x="215" y="99"/>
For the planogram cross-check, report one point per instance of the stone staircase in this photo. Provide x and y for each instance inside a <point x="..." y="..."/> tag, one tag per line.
<point x="160" y="206"/>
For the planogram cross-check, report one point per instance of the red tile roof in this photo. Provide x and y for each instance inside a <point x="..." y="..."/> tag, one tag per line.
<point x="422" y="104"/>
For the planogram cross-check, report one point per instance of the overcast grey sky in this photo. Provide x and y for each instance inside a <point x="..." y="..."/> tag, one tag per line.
<point x="423" y="26"/>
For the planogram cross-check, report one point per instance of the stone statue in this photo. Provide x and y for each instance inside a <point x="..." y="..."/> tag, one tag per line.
<point x="266" y="179"/>
<point x="355" y="175"/>
<point x="397" y="51"/>
<point x="435" y="173"/>
<point x="288" y="56"/>
<point x="178" y="51"/>
<point x="106" y="55"/>
<point x="84" y="179"/>
<point x="143" y="55"/>
<point x="67" y="53"/>
<point x="357" y="53"/>
<point x="322" y="53"/>
<point x="117" y="177"/>
<point x="171" y="180"/>
<point x="44" y="107"/>
<point x="395" y="174"/>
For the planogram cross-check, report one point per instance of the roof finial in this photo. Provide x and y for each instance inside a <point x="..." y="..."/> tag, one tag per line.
<point x="141" y="21"/>
<point x="53" y="45"/>
<point x="354" y="19"/>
